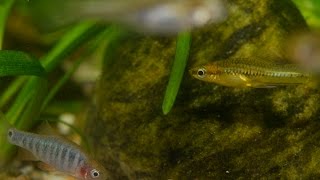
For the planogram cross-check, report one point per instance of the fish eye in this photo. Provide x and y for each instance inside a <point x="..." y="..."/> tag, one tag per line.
<point x="94" y="173"/>
<point x="201" y="72"/>
<point x="10" y="133"/>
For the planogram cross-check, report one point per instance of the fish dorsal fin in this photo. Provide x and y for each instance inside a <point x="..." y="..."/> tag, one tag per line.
<point x="273" y="58"/>
<point x="268" y="56"/>
<point x="22" y="154"/>
<point x="46" y="129"/>
<point x="4" y="125"/>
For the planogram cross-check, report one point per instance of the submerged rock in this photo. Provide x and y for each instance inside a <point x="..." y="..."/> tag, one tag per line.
<point x="212" y="131"/>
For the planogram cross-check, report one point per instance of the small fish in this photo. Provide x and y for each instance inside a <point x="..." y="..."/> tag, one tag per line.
<point x="248" y="72"/>
<point x="58" y="153"/>
<point x="151" y="16"/>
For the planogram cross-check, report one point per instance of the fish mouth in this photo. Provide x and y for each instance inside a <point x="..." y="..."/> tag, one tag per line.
<point x="193" y="71"/>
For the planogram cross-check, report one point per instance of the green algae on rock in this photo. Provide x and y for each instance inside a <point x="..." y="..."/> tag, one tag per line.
<point x="213" y="131"/>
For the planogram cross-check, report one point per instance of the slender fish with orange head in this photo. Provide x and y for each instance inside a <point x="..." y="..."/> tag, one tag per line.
<point x="249" y="72"/>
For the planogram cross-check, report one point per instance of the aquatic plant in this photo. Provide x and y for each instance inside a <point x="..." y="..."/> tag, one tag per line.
<point x="32" y="94"/>
<point x="5" y="7"/>
<point x="310" y="9"/>
<point x="178" y="69"/>
<point x="26" y="97"/>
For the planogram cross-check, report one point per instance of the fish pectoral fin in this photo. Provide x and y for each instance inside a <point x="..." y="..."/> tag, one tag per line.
<point x="244" y="78"/>
<point x="4" y="126"/>
<point x="45" y="167"/>
<point x="50" y="169"/>
<point x="46" y="129"/>
<point x="25" y="155"/>
<point x="254" y="83"/>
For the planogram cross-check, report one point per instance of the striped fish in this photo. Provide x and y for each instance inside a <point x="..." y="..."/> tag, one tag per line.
<point x="250" y="72"/>
<point x="62" y="155"/>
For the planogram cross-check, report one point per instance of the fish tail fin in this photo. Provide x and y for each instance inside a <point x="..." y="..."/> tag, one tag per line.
<point x="6" y="150"/>
<point x="4" y="125"/>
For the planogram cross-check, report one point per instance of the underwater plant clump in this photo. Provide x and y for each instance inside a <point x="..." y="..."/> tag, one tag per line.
<point x="212" y="131"/>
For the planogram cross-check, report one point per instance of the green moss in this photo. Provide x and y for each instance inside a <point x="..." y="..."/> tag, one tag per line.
<point x="213" y="131"/>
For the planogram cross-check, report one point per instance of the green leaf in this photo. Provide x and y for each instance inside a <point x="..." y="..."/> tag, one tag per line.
<point x="12" y="89"/>
<point x="178" y="68"/>
<point x="14" y="63"/>
<point x="70" y="41"/>
<point x="26" y="108"/>
<point x="310" y="9"/>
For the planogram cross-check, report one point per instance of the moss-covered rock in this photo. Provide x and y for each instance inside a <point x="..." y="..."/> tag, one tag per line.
<point x="212" y="131"/>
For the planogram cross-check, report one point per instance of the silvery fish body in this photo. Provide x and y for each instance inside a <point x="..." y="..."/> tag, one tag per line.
<point x="250" y="72"/>
<point x="62" y="155"/>
<point x="151" y="16"/>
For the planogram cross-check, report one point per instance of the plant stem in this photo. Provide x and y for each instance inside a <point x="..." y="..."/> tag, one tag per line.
<point x="68" y="43"/>
<point x="11" y="90"/>
<point x="5" y="7"/>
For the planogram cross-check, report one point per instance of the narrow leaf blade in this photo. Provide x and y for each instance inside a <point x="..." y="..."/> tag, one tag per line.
<point x="178" y="68"/>
<point x="14" y="63"/>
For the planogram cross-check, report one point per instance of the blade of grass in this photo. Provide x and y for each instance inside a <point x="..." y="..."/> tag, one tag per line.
<point x="12" y="90"/>
<point x="70" y="41"/>
<point x="117" y="35"/>
<point x="13" y="116"/>
<point x="59" y="107"/>
<point x="103" y="41"/>
<point x="24" y="96"/>
<point x="30" y="112"/>
<point x="177" y="71"/>
<point x="66" y="45"/>
<point x="5" y="7"/>
<point x="61" y="82"/>
<point x="104" y="36"/>
<point x="14" y="63"/>
<point x="27" y="105"/>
